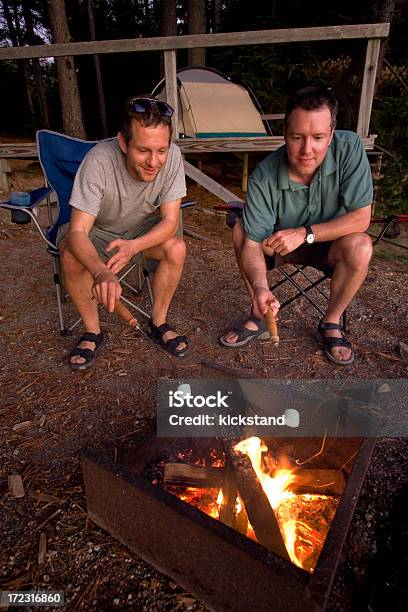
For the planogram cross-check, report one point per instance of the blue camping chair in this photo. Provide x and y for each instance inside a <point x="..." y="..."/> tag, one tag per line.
<point x="60" y="157"/>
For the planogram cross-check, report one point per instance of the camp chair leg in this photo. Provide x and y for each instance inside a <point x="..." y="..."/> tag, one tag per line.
<point x="141" y="283"/>
<point x="149" y="287"/>
<point x="58" y="293"/>
<point x="64" y="331"/>
<point x="132" y="305"/>
<point x="303" y="291"/>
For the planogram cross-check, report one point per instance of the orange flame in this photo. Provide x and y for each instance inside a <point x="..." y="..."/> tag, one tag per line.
<point x="300" y="539"/>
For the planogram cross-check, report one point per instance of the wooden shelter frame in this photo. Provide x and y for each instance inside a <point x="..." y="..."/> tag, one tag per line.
<point x="373" y="33"/>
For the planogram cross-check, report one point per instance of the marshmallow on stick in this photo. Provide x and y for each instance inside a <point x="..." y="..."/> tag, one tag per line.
<point x="270" y="320"/>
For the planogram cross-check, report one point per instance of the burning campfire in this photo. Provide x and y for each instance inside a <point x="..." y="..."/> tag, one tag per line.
<point x="269" y="498"/>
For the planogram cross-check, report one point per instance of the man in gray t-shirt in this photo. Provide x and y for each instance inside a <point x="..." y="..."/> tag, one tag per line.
<point x="126" y="203"/>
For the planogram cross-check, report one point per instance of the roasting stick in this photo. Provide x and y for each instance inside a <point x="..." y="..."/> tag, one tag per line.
<point x="127" y="316"/>
<point x="270" y="320"/>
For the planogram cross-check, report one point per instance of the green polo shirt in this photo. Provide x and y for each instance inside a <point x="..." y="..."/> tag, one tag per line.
<point x="342" y="183"/>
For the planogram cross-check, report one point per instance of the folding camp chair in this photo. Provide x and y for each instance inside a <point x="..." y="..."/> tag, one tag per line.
<point x="234" y="212"/>
<point x="60" y="157"/>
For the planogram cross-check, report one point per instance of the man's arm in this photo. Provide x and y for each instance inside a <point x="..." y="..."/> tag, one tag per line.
<point x="79" y="244"/>
<point x="253" y="263"/>
<point x="162" y="231"/>
<point x="106" y="289"/>
<point x="287" y="240"/>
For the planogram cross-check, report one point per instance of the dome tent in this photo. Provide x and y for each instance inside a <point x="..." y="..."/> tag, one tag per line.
<point x="210" y="105"/>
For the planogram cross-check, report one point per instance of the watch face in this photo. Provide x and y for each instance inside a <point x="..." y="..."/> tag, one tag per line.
<point x="310" y="238"/>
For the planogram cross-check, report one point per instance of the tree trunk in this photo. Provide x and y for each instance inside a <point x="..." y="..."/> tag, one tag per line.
<point x="31" y="39"/>
<point x="168" y="23"/>
<point x="385" y="14"/>
<point x="217" y="16"/>
<point x="98" y="73"/>
<point x="72" y="119"/>
<point x="196" y="25"/>
<point x="23" y="65"/>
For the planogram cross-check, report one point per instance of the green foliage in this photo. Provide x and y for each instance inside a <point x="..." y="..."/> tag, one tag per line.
<point x="390" y="122"/>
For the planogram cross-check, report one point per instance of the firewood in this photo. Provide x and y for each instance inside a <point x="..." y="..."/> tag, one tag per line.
<point x="322" y="482"/>
<point x="229" y="495"/>
<point x="16" y="487"/>
<point x="228" y="513"/>
<point x="258" y="508"/>
<point x="185" y="475"/>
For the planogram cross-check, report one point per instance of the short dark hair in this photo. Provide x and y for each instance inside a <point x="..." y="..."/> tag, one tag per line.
<point x="151" y="118"/>
<point x="312" y="98"/>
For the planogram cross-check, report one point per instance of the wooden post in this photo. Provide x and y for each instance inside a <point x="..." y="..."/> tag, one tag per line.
<point x="367" y="90"/>
<point x="5" y="170"/>
<point x="170" y="71"/>
<point x="245" y="173"/>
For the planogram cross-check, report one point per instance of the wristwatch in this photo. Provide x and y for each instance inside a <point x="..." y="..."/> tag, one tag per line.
<point x="310" y="237"/>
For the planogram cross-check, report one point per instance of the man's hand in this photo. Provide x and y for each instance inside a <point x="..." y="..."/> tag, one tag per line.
<point x="107" y="289"/>
<point x="125" y="251"/>
<point x="262" y="300"/>
<point x="285" y="241"/>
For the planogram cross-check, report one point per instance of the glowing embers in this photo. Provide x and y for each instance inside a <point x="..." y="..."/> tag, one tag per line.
<point x="265" y="497"/>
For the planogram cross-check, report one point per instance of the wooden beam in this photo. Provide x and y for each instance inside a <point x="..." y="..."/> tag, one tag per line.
<point x="187" y="145"/>
<point x="247" y="145"/>
<point x="367" y="89"/>
<point x="212" y="186"/>
<point x="224" y="39"/>
<point x="23" y="150"/>
<point x="170" y="70"/>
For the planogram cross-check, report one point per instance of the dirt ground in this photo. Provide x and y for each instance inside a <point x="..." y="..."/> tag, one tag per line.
<point x="48" y="413"/>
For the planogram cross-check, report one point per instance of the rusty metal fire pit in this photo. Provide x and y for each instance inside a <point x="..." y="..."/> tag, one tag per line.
<point x="222" y="568"/>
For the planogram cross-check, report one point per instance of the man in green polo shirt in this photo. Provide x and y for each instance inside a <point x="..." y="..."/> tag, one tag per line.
<point x="309" y="202"/>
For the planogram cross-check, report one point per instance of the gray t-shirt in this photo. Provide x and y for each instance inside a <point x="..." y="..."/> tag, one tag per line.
<point x="104" y="188"/>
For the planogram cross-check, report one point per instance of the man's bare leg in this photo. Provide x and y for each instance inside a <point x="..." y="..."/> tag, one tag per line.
<point x="238" y="237"/>
<point x="171" y="255"/>
<point x="350" y="257"/>
<point x="78" y="282"/>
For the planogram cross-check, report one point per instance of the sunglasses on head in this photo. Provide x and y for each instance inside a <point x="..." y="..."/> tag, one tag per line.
<point x="144" y="105"/>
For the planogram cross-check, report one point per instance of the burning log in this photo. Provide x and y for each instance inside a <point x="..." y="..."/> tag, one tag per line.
<point x="185" y="475"/>
<point x="323" y="482"/>
<point x="231" y="515"/>
<point x="258" y="508"/>
<point x="229" y="495"/>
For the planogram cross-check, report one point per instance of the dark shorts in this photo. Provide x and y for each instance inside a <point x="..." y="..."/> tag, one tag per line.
<point x="314" y="255"/>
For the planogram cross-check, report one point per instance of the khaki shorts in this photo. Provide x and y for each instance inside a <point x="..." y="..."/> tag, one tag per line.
<point x="101" y="238"/>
